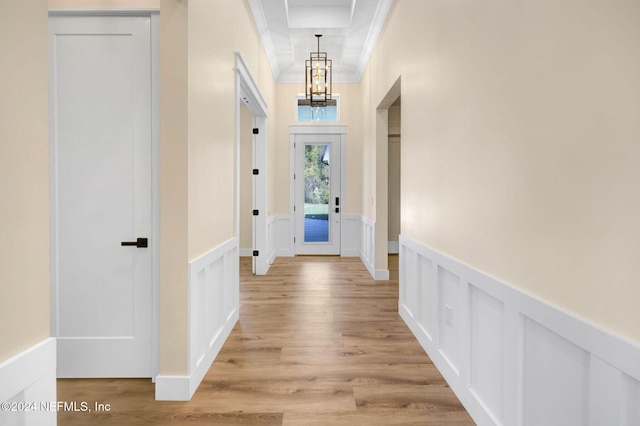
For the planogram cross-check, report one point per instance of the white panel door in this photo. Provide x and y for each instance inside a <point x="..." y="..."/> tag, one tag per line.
<point x="100" y="90"/>
<point x="317" y="194"/>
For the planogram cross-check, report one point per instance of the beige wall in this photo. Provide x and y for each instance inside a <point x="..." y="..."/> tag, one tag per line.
<point x="173" y="186"/>
<point x="520" y="143"/>
<point x="216" y="31"/>
<point x="350" y="115"/>
<point x="24" y="176"/>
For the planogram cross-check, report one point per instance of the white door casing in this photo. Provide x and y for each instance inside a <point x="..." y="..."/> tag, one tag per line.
<point x="332" y="243"/>
<point x="101" y="147"/>
<point x="248" y="95"/>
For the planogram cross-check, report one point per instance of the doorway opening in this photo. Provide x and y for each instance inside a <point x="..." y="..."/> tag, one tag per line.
<point x="381" y="261"/>
<point x="251" y="123"/>
<point x="394" y="197"/>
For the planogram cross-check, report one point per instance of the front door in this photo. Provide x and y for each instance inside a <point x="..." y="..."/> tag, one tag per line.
<point x="100" y="91"/>
<point x="317" y="194"/>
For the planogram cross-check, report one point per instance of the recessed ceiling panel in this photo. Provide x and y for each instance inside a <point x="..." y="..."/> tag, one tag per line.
<point x="349" y="29"/>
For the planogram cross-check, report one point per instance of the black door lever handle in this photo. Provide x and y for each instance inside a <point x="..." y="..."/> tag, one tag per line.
<point x="140" y="243"/>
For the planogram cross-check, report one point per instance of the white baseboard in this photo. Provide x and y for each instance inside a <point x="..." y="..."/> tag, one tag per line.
<point x="213" y="311"/>
<point x="393" y="247"/>
<point x="30" y="377"/>
<point x="511" y="358"/>
<point x="381" y="275"/>
<point x="245" y="252"/>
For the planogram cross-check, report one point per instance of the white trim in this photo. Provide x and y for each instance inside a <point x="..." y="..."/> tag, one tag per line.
<point x="155" y="176"/>
<point x="368" y="244"/>
<point x="245" y="252"/>
<point x="322" y="129"/>
<point x="393" y="247"/>
<point x="379" y="19"/>
<point x="173" y="388"/>
<point x="30" y="376"/>
<point x="104" y="12"/>
<point x="265" y="36"/>
<point x="351" y="235"/>
<point x="511" y="357"/>
<point x="213" y="311"/>
<point x="248" y="94"/>
<point x="282" y="238"/>
<point x="381" y="275"/>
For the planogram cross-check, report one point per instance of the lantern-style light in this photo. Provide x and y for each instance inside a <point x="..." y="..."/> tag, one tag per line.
<point x="317" y="77"/>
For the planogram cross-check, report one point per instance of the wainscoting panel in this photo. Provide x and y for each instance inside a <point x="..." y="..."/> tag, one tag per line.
<point x="351" y="228"/>
<point x="428" y="296"/>
<point x="555" y="378"/>
<point x="213" y="311"/>
<point x="629" y="405"/>
<point x="29" y="377"/>
<point x="511" y="358"/>
<point x="283" y="235"/>
<point x="486" y="342"/>
<point x="448" y="289"/>
<point x="368" y="244"/>
<point x="271" y="239"/>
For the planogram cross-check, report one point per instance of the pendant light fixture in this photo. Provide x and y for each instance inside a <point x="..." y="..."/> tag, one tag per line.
<point x="317" y="78"/>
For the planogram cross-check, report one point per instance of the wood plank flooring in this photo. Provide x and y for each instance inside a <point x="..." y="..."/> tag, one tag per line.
<point x="318" y="343"/>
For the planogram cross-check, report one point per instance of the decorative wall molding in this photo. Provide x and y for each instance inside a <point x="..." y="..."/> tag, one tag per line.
<point x="30" y="376"/>
<point x="283" y="235"/>
<point x="511" y="358"/>
<point x="213" y="311"/>
<point x="351" y="228"/>
<point x="368" y="244"/>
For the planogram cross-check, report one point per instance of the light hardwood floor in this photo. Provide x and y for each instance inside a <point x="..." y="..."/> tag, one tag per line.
<point x="318" y="343"/>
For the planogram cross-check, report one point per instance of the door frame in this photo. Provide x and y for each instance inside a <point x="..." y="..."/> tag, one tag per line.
<point x="322" y="129"/>
<point x="154" y="245"/>
<point x="248" y="94"/>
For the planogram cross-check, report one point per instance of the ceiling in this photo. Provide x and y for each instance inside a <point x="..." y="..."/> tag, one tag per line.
<point x="349" y="28"/>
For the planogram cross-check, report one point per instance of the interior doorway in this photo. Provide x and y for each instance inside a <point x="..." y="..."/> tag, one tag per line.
<point x="394" y="196"/>
<point x="251" y="116"/>
<point x="246" y="239"/>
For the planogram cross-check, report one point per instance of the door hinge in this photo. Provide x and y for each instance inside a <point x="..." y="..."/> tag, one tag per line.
<point x="256" y="171"/>
<point x="294" y="239"/>
<point x="256" y="253"/>
<point x="256" y="131"/>
<point x="256" y="212"/>
<point x="294" y="208"/>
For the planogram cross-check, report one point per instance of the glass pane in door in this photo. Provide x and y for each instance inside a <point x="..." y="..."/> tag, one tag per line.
<point x="317" y="173"/>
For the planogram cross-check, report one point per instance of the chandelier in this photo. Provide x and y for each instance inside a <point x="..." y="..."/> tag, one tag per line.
<point x="317" y="77"/>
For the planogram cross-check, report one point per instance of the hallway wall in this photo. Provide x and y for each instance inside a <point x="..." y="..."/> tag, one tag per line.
<point x="350" y="115"/>
<point x="24" y="176"/>
<point x="520" y="153"/>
